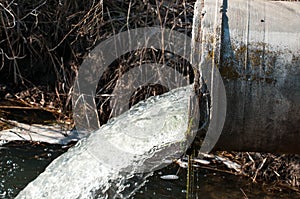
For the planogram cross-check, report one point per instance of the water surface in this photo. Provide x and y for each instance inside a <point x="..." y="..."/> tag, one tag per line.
<point x="22" y="162"/>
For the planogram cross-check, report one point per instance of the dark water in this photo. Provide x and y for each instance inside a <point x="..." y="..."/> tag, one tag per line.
<point x="22" y="162"/>
<point x="208" y="185"/>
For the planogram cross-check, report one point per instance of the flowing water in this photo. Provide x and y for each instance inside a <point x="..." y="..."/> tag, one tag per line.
<point x="124" y="159"/>
<point x="147" y="137"/>
<point x="22" y="162"/>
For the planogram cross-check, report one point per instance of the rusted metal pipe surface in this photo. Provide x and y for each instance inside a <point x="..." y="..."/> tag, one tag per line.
<point x="256" y="47"/>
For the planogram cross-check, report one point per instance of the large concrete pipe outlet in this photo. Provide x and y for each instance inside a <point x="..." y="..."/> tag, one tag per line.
<point x="255" y="44"/>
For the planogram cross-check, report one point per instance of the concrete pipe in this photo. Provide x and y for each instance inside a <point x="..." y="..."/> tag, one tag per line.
<point x="255" y="44"/>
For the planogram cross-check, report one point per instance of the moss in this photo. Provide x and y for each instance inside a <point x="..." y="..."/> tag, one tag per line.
<point x="228" y="71"/>
<point x="260" y="64"/>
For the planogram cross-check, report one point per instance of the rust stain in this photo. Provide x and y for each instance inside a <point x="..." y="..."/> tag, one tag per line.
<point x="262" y="61"/>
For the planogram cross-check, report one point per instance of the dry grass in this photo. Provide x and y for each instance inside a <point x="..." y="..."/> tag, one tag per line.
<point x="44" y="43"/>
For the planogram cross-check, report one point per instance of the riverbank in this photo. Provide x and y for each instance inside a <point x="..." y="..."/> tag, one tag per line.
<point x="24" y="118"/>
<point x="41" y="58"/>
<point x="275" y="172"/>
<point x="20" y="163"/>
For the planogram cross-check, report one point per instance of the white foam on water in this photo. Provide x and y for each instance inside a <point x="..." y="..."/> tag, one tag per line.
<point x="143" y="139"/>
